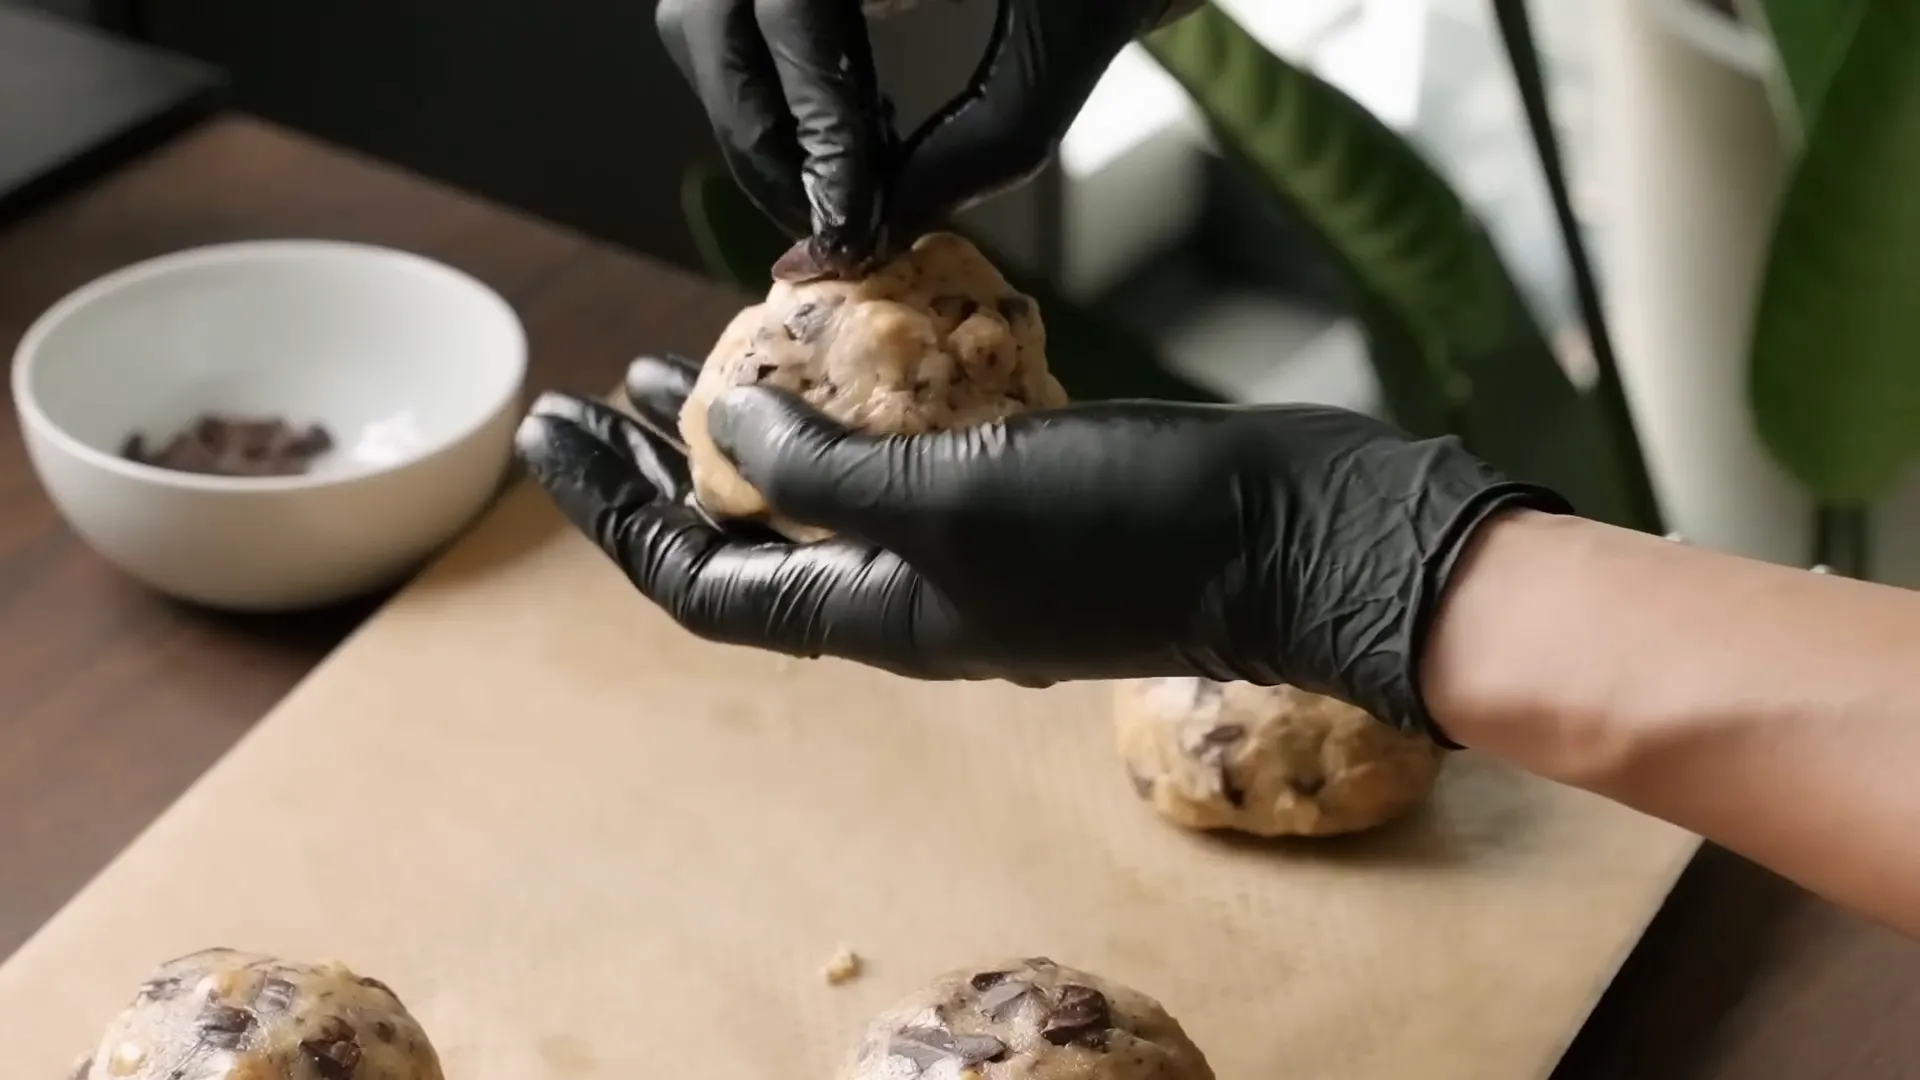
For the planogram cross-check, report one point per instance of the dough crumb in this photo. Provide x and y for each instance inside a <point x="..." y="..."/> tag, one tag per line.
<point x="844" y="966"/>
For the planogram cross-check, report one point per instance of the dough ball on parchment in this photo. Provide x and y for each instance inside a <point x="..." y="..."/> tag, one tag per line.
<point x="935" y="339"/>
<point x="1266" y="760"/>
<point x="219" y="1014"/>
<point x="1027" y="1019"/>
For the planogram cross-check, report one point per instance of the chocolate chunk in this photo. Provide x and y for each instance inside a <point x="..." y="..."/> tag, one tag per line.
<point x="274" y="996"/>
<point x="234" y="446"/>
<point x="802" y="264"/>
<point x="1206" y="691"/>
<point x="810" y="320"/>
<point x="1307" y="785"/>
<point x="955" y="308"/>
<point x="1211" y="749"/>
<point x="1013" y="307"/>
<point x="1081" y="1016"/>
<point x="1235" y="795"/>
<point x="224" y="1026"/>
<point x="929" y="1046"/>
<point x="764" y="372"/>
<point x="1142" y="785"/>
<point x="974" y="1049"/>
<point x="1223" y="736"/>
<point x="162" y="988"/>
<point x="383" y="1031"/>
<point x="332" y="1050"/>
<point x="314" y="441"/>
<point x="369" y="981"/>
<point x="987" y="980"/>
<point x="1004" y="999"/>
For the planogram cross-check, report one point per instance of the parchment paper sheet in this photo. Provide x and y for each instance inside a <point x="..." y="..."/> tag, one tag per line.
<point x="580" y="842"/>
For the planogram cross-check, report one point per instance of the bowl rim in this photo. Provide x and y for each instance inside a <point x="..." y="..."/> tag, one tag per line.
<point x="28" y="352"/>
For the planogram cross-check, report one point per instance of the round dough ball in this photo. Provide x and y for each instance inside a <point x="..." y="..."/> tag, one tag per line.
<point x="1267" y="760"/>
<point x="935" y="339"/>
<point x="1027" y="1019"/>
<point x="219" y="1014"/>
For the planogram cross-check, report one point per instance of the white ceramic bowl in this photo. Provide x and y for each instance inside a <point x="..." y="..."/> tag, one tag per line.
<point x="415" y="369"/>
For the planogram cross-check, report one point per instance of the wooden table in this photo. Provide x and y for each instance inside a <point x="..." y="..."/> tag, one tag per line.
<point x="112" y="701"/>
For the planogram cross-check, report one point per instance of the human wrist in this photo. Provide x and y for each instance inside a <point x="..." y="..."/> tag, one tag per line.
<point x="1457" y="512"/>
<point x="1512" y="665"/>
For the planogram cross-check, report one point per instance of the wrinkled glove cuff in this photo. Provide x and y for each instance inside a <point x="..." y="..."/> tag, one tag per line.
<point x="1403" y="705"/>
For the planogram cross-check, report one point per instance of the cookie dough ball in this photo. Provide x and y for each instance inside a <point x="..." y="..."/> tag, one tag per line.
<point x="1267" y="760"/>
<point x="935" y="339"/>
<point x="225" y="1015"/>
<point x="1027" y="1019"/>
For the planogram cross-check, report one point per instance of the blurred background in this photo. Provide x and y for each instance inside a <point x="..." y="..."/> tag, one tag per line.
<point x="1675" y="156"/>
<point x="572" y="112"/>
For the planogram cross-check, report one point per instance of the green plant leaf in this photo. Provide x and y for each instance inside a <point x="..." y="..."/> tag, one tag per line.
<point x="1452" y="340"/>
<point x="1835" y="378"/>
<point x="1608" y="394"/>
<point x="1810" y="40"/>
<point x="1092" y="355"/>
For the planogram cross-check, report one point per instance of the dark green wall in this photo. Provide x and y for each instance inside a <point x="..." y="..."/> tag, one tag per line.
<point x="567" y="108"/>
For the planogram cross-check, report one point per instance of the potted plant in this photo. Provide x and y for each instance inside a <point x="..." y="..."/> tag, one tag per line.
<point x="1834" y="362"/>
<point x="1455" y="348"/>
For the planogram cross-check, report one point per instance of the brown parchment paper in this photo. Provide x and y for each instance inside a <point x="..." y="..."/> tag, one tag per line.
<point x="581" y="843"/>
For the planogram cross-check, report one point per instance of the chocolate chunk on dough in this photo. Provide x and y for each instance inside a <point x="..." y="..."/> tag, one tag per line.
<point x="1030" y="1019"/>
<point x="932" y="341"/>
<point x="226" y="1015"/>
<point x="1266" y="760"/>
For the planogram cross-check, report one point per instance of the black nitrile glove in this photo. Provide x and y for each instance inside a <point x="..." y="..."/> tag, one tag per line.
<point x="790" y="90"/>
<point x="1294" y="544"/>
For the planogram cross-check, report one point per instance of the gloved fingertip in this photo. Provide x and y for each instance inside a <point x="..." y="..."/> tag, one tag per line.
<point x="846" y="246"/>
<point x="746" y="421"/>
<point x="552" y="404"/>
<point x="556" y="453"/>
<point x="533" y="439"/>
<point x="657" y="388"/>
<point x="594" y="487"/>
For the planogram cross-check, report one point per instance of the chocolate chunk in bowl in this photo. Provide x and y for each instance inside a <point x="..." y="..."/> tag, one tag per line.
<point x="219" y="445"/>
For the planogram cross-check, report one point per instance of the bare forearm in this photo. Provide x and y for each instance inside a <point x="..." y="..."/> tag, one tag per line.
<point x="1771" y="710"/>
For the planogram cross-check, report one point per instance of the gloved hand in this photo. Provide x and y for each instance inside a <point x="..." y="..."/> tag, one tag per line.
<point x="790" y="90"/>
<point x="1294" y="544"/>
